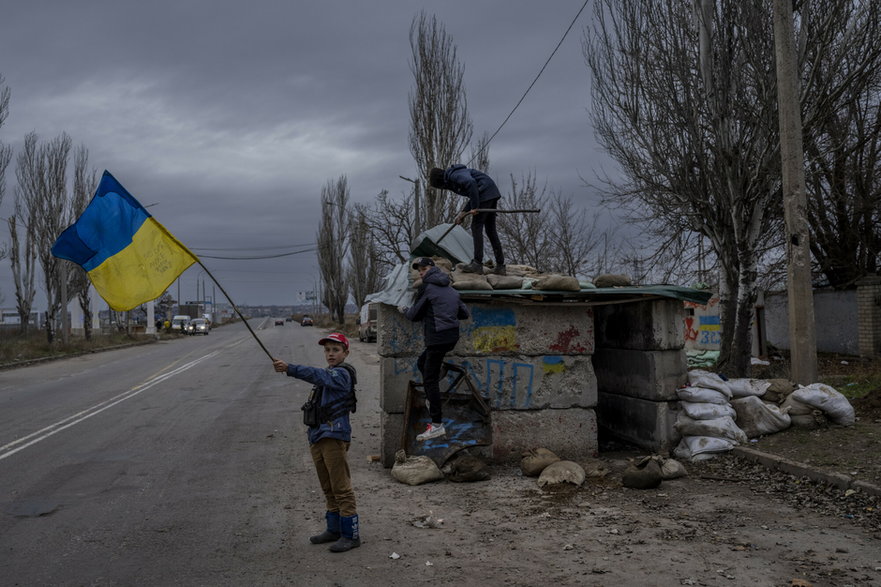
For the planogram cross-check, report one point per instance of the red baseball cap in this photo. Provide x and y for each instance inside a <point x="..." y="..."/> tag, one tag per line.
<point x="336" y="337"/>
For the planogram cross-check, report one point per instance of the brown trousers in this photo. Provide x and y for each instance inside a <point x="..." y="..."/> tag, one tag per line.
<point x="329" y="456"/>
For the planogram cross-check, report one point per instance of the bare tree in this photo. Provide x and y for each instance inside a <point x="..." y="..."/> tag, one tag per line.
<point x="440" y="127"/>
<point x="840" y="94"/>
<point x="23" y="258"/>
<point x="697" y="140"/>
<point x="333" y="246"/>
<point x="364" y="273"/>
<point x="5" y="150"/>
<point x="524" y="235"/>
<point x="41" y="172"/>
<point x="85" y="182"/>
<point x="574" y="238"/>
<point x="390" y="225"/>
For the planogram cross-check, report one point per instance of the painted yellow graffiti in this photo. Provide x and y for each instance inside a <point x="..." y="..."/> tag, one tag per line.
<point x="495" y="338"/>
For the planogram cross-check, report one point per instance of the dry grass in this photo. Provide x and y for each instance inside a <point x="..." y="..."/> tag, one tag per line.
<point x="15" y="348"/>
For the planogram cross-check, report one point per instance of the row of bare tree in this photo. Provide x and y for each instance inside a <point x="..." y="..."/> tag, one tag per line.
<point x="47" y="199"/>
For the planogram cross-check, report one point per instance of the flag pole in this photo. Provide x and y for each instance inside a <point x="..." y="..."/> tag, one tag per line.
<point x="234" y="307"/>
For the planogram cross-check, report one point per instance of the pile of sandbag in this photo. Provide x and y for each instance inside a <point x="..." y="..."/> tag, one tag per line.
<point x="706" y="418"/>
<point x="551" y="470"/>
<point x="809" y="404"/>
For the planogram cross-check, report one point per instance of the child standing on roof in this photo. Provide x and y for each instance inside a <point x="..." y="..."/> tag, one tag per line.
<point x="330" y="433"/>
<point x="482" y="193"/>
<point x="439" y="308"/>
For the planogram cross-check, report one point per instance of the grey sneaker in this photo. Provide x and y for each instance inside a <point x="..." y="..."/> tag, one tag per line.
<point x="499" y="270"/>
<point x="432" y="431"/>
<point x="473" y="267"/>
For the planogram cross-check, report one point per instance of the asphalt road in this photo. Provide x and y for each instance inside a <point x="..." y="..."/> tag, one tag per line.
<point x="175" y="463"/>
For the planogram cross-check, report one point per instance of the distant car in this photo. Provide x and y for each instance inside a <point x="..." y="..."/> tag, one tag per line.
<point x="279" y="322"/>
<point x="288" y="319"/>
<point x="198" y="326"/>
<point x="307" y="321"/>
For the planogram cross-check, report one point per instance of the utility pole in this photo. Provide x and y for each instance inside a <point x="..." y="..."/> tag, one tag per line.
<point x="802" y="333"/>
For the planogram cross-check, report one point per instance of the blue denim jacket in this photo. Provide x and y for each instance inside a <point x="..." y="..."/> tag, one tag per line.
<point x="335" y="383"/>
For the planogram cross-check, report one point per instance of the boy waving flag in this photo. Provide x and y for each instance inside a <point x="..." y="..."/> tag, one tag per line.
<point x="130" y="258"/>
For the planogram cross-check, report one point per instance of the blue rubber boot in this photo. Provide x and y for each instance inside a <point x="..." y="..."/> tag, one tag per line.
<point x="332" y="533"/>
<point x="350" y="536"/>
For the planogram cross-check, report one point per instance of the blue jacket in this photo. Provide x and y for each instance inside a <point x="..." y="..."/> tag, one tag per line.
<point x="335" y="384"/>
<point x="439" y="308"/>
<point x="475" y="185"/>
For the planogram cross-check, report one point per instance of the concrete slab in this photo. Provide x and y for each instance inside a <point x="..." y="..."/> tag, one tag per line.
<point x="651" y="375"/>
<point x="647" y="325"/>
<point x="644" y="423"/>
<point x="506" y="382"/>
<point x="570" y="433"/>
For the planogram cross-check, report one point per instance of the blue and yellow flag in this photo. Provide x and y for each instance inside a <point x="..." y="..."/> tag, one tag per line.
<point x="130" y="258"/>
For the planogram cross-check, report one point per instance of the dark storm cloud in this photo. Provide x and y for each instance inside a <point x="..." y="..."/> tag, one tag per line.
<point x="231" y="116"/>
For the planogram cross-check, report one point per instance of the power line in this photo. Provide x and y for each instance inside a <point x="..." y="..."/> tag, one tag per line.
<point x="249" y="248"/>
<point x="523" y="97"/>
<point x="288" y="254"/>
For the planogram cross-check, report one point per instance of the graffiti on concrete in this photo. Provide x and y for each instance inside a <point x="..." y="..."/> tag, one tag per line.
<point x="567" y="342"/>
<point x="493" y="330"/>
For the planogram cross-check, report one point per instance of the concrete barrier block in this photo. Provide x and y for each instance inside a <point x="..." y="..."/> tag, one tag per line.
<point x="652" y="375"/>
<point x="649" y="325"/>
<point x="570" y="433"/>
<point x="506" y="382"/>
<point x="497" y="329"/>
<point x="644" y="423"/>
<point x="391" y="427"/>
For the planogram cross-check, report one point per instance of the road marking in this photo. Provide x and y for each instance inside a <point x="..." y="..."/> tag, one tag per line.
<point x="13" y="447"/>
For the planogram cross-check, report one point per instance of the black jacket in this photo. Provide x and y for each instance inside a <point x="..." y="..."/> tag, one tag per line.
<point x="475" y="185"/>
<point x="439" y="308"/>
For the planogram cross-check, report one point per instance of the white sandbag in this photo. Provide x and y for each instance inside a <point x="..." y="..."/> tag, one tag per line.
<point x="702" y="395"/>
<point x="701" y="378"/>
<point x="697" y="448"/>
<point x="718" y="427"/>
<point x="829" y="401"/>
<point x="706" y="411"/>
<point x="745" y="387"/>
<point x="562" y="472"/>
<point x="535" y="460"/>
<point x="793" y="407"/>
<point x="758" y="418"/>
<point x="415" y="470"/>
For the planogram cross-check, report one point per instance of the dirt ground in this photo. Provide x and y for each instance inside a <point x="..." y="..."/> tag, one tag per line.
<point x="729" y="522"/>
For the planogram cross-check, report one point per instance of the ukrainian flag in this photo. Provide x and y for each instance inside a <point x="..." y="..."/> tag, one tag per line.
<point x="130" y="258"/>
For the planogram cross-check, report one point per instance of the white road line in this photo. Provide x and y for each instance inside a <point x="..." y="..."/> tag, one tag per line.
<point x="7" y="450"/>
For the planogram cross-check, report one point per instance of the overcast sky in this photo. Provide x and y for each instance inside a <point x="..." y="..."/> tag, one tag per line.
<point x="231" y="116"/>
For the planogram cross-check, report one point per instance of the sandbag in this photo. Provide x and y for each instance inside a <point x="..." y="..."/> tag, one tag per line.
<point x="562" y="472"/>
<point x="745" y="387"/>
<point x="465" y="468"/>
<point x="672" y="469"/>
<point x="645" y="474"/>
<point x="723" y="427"/>
<point x="758" y="418"/>
<point x="535" y="460"/>
<point x="557" y="283"/>
<point x="811" y="421"/>
<point x="612" y="280"/>
<point x="463" y="280"/>
<point x="698" y="448"/>
<point x="778" y="390"/>
<point x="702" y="395"/>
<point x="705" y="379"/>
<point x="505" y="281"/>
<point x="706" y="411"/>
<point x="415" y="470"/>
<point x="793" y="407"/>
<point x="829" y="401"/>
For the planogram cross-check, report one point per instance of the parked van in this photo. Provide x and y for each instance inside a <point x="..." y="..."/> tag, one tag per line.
<point x="179" y="322"/>
<point x="367" y="323"/>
